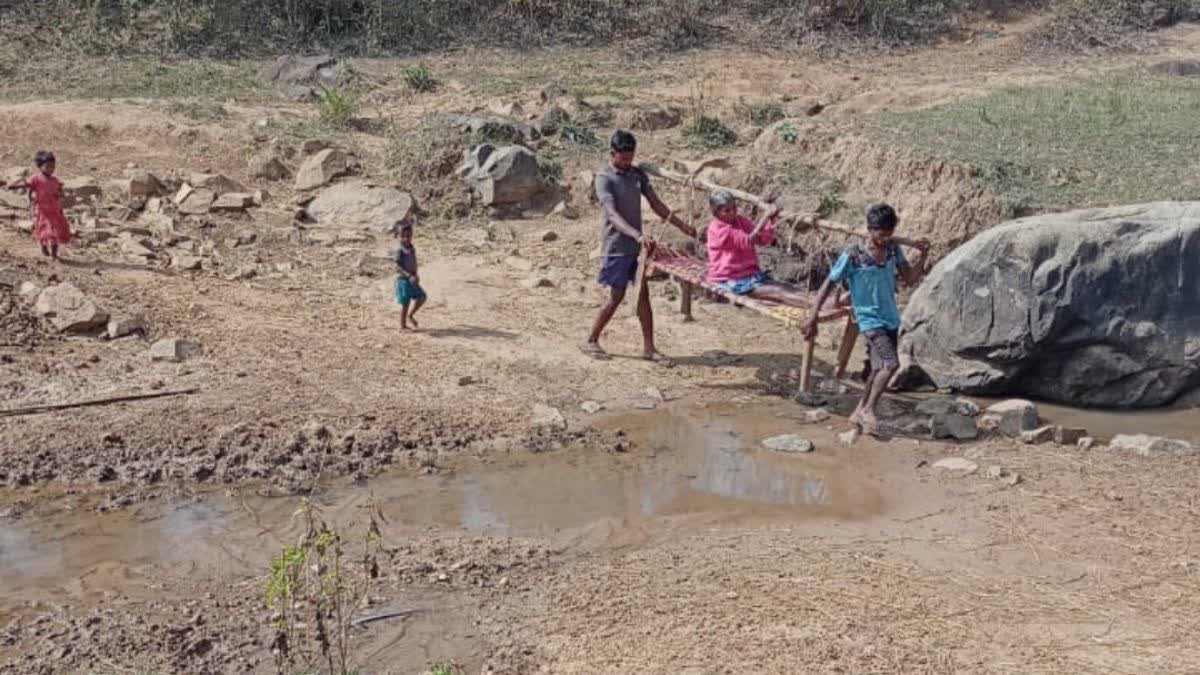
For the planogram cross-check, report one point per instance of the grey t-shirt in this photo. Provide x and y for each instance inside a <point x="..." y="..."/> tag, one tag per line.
<point x="406" y="259"/>
<point x="624" y="191"/>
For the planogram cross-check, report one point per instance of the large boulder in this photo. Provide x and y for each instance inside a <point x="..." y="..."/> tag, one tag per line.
<point x="504" y="176"/>
<point x="358" y="203"/>
<point x="69" y="310"/>
<point x="1099" y="307"/>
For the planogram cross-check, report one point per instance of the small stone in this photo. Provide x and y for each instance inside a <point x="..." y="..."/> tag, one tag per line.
<point x="788" y="443"/>
<point x="503" y="581"/>
<point x="267" y="167"/>
<point x="173" y="349"/>
<point x="1146" y="446"/>
<point x="119" y="328"/>
<point x="1012" y="479"/>
<point x="312" y="146"/>
<point x="1014" y="416"/>
<point x="442" y="578"/>
<point x="549" y="236"/>
<point x="849" y="437"/>
<point x="233" y="201"/>
<point x="186" y="262"/>
<point x="537" y="282"/>
<point x="1038" y="436"/>
<point x="1086" y="443"/>
<point x="216" y="183"/>
<point x="645" y="405"/>
<point x="591" y="407"/>
<point x="655" y="394"/>
<point x="546" y="417"/>
<point x="197" y="202"/>
<point x="1069" y="435"/>
<point x="994" y="473"/>
<point x="815" y="416"/>
<point x="957" y="465"/>
<point x="731" y="595"/>
<point x="29" y="292"/>
<point x="467" y="380"/>
<point x="566" y="211"/>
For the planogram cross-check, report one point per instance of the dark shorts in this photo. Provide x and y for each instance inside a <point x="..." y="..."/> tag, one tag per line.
<point x="882" y="348"/>
<point x="618" y="270"/>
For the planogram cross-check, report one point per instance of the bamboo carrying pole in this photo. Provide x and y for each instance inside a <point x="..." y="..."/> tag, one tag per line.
<point x="808" y="219"/>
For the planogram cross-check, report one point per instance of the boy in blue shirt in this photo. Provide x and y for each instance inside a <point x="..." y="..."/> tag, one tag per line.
<point x="870" y="268"/>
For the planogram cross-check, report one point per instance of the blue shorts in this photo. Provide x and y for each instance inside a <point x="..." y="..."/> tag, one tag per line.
<point x="618" y="270"/>
<point x="746" y="285"/>
<point x="407" y="291"/>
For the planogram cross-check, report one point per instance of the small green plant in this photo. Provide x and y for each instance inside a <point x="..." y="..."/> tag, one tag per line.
<point x="420" y="79"/>
<point x="788" y="132"/>
<point x="444" y="668"/>
<point x="337" y="107"/>
<point x="709" y="132"/>
<point x="314" y="588"/>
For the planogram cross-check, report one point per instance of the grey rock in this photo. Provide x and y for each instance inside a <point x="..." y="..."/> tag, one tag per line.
<point x="233" y="201"/>
<point x="1147" y="446"/>
<point x="652" y="118"/>
<point x="29" y="292"/>
<point x="590" y="407"/>
<point x="1012" y="417"/>
<point x="1071" y="307"/>
<point x="217" y="183"/>
<point x="357" y="204"/>
<point x="69" y="310"/>
<point x="322" y="168"/>
<point x="119" y="328"/>
<point x="547" y="418"/>
<point x="1038" y="436"/>
<point x="301" y="77"/>
<point x="504" y="176"/>
<point x="1069" y="435"/>
<point x="956" y="465"/>
<point x="788" y="443"/>
<point x="268" y="167"/>
<point x="174" y="350"/>
<point x="953" y="425"/>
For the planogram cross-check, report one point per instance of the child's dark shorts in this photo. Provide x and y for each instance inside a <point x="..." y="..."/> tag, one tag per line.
<point x="882" y="348"/>
<point x="618" y="271"/>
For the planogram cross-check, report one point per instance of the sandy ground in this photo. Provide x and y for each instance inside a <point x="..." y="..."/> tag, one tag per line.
<point x="655" y="536"/>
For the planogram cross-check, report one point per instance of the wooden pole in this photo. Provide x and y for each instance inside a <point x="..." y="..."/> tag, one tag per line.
<point x="808" y="219"/>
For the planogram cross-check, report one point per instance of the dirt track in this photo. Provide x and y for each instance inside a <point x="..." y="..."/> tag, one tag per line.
<point x="1081" y="564"/>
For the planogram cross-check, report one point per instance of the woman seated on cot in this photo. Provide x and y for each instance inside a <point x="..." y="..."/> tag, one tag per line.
<point x="733" y="259"/>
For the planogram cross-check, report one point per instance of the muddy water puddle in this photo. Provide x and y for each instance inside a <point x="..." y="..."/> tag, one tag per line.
<point x="691" y="462"/>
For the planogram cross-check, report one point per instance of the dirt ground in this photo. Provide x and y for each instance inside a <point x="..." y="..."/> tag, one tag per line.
<point x="653" y="536"/>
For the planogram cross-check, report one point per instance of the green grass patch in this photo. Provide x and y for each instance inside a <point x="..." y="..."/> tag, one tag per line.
<point x="136" y="78"/>
<point x="1080" y="144"/>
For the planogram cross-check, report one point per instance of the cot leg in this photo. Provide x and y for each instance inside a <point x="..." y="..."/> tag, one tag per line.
<point x="848" y="338"/>
<point x="806" y="365"/>
<point x="685" y="300"/>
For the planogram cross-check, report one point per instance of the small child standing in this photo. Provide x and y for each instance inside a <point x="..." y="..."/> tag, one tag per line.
<point x="50" y="226"/>
<point x="408" y="282"/>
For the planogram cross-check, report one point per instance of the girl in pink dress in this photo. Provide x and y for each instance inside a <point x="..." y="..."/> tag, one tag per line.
<point x="50" y="226"/>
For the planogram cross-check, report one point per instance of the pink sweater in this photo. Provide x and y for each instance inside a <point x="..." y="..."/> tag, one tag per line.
<point x="731" y="253"/>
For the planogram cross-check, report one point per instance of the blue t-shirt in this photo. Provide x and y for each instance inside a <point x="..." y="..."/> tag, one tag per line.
<point x="872" y="286"/>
